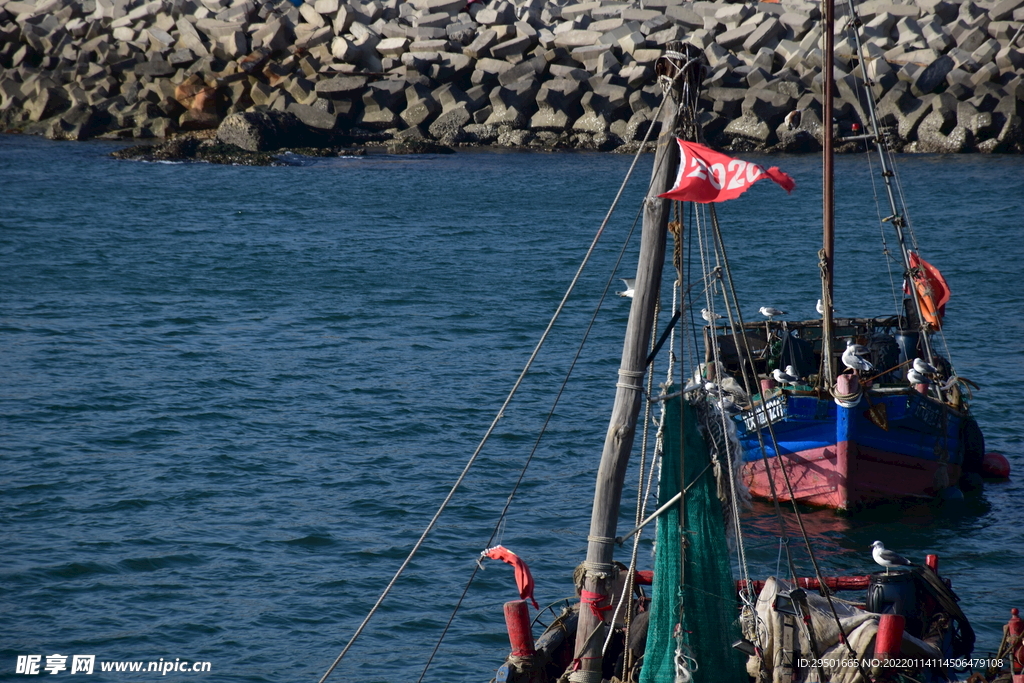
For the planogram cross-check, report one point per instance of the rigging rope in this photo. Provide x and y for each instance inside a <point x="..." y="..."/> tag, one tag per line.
<point x="501" y="410"/>
<point x="844" y="638"/>
<point x="508" y="503"/>
<point x="745" y="573"/>
<point x="888" y="257"/>
<point x="886" y="154"/>
<point x="717" y="360"/>
<point x="547" y="420"/>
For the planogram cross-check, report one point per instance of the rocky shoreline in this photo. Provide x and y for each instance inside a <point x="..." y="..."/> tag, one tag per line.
<point x="431" y="75"/>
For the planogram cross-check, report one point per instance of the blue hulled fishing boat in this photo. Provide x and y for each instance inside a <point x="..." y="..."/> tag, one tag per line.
<point x="851" y="412"/>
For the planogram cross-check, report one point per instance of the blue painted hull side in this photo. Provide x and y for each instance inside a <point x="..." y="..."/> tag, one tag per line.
<point x="917" y="428"/>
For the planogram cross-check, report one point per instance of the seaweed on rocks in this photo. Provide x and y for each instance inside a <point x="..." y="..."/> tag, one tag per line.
<point x="192" y="148"/>
<point x="418" y="147"/>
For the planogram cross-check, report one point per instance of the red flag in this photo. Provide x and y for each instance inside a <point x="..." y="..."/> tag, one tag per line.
<point x="524" y="580"/>
<point x="707" y="176"/>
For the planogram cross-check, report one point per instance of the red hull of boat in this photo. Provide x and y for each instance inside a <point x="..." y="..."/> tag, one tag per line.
<point x="848" y="476"/>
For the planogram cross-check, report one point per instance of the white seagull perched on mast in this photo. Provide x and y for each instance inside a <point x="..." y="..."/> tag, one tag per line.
<point x="629" y="287"/>
<point x="820" y="308"/>
<point x="709" y="316"/>
<point x="770" y="312"/>
<point x="888" y="558"/>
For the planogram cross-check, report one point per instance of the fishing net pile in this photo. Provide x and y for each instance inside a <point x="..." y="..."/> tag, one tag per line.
<point x="702" y="643"/>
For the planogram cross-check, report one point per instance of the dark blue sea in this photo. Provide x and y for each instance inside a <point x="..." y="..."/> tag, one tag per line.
<point x="231" y="398"/>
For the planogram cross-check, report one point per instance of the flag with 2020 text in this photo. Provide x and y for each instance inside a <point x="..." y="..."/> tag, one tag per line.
<point x="707" y="176"/>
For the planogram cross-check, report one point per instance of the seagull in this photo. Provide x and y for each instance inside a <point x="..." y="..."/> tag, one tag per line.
<point x="791" y="371"/>
<point x="820" y="308"/>
<point x="856" y="348"/>
<point x="793" y="119"/>
<point x="855" y="362"/>
<point x="770" y="312"/>
<point x="709" y="316"/>
<point x="629" y="287"/>
<point x="888" y="558"/>
<point x="916" y="377"/>
<point x="783" y="377"/>
<point x="923" y="366"/>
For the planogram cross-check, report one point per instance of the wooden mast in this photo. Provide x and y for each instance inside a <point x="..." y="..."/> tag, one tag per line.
<point x="596" y="599"/>
<point x="828" y="195"/>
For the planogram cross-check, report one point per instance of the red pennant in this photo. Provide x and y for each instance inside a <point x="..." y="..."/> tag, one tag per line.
<point x="524" y="580"/>
<point x="707" y="176"/>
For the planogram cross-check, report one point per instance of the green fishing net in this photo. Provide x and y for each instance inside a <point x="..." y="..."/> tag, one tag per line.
<point x="709" y="625"/>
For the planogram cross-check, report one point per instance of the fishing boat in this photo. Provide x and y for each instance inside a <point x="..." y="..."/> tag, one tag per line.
<point x="861" y="410"/>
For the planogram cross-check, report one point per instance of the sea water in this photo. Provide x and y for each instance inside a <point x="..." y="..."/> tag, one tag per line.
<point x="232" y="398"/>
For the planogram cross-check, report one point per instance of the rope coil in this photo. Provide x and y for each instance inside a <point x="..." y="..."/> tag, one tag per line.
<point x="846" y="400"/>
<point x="601" y="570"/>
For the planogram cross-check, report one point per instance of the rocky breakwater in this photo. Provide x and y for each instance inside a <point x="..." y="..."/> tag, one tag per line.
<point x="522" y="73"/>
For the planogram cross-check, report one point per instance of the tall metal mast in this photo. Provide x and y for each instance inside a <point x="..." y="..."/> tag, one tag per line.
<point x="896" y="217"/>
<point x="827" y="256"/>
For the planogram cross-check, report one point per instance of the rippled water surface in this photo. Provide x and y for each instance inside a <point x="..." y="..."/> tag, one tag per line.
<point x="232" y="398"/>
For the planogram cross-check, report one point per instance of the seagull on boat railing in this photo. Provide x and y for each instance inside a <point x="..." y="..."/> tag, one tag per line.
<point x="888" y="558"/>
<point x="924" y="367"/>
<point x="820" y="308"/>
<point x="770" y="311"/>
<point x="709" y="316"/>
<point x="629" y="286"/>
<point x="852" y="359"/>
<point x="785" y="376"/>
<point x="916" y="377"/>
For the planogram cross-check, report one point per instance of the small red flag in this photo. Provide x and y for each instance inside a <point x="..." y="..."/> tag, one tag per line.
<point x="524" y="581"/>
<point x="707" y="176"/>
